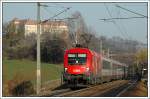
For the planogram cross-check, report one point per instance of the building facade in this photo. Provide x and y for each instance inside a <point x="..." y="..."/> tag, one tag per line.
<point x="55" y="27"/>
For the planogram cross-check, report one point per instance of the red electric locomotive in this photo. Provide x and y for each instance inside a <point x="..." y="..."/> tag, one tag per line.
<point x="83" y="67"/>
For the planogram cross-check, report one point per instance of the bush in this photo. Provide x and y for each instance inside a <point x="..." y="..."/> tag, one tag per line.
<point x="23" y="89"/>
<point x="19" y="85"/>
<point x="52" y="51"/>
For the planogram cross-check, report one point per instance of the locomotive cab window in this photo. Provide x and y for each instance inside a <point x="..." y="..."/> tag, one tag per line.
<point x="77" y="59"/>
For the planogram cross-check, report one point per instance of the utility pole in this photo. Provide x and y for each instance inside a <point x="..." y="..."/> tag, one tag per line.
<point x="132" y="72"/>
<point x="101" y="46"/>
<point x="38" y="50"/>
<point x="108" y="55"/>
<point x="16" y="28"/>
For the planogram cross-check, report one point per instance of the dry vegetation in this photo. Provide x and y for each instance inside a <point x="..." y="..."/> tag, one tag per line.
<point x="139" y="91"/>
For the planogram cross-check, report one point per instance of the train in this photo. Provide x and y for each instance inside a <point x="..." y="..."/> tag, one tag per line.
<point x="84" y="67"/>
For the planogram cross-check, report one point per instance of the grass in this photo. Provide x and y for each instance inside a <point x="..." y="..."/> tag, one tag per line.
<point x="26" y="69"/>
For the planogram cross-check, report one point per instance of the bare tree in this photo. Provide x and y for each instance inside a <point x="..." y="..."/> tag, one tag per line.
<point x="79" y="26"/>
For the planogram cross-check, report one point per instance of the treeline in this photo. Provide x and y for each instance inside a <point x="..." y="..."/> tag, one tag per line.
<point x="52" y="50"/>
<point x="120" y="45"/>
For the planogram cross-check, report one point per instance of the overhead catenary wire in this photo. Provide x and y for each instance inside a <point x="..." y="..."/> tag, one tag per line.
<point x="115" y="18"/>
<point x="57" y="18"/>
<point x="122" y="24"/>
<point x="114" y="22"/>
<point x="58" y="14"/>
<point x="112" y="19"/>
<point x="133" y="12"/>
<point x="130" y="11"/>
<point x="55" y="15"/>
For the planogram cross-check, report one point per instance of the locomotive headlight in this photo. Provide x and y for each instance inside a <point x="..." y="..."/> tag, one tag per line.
<point x="87" y="69"/>
<point x="66" y="69"/>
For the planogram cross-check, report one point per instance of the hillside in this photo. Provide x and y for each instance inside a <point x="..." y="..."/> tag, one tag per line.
<point x="27" y="69"/>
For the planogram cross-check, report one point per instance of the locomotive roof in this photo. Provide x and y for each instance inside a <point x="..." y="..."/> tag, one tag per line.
<point x="80" y="49"/>
<point x="86" y="49"/>
<point x="98" y="54"/>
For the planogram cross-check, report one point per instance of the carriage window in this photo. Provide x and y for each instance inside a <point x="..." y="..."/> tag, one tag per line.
<point x="106" y="64"/>
<point x="76" y="59"/>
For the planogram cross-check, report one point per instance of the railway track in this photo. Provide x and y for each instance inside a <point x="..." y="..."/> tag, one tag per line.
<point x="90" y="91"/>
<point x="57" y="92"/>
<point x="118" y="91"/>
<point x="131" y="84"/>
<point x="110" y="89"/>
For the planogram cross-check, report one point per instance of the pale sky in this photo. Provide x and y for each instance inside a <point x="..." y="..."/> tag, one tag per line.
<point x="135" y="29"/>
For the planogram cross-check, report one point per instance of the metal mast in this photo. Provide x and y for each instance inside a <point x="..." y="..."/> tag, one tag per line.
<point x="38" y="50"/>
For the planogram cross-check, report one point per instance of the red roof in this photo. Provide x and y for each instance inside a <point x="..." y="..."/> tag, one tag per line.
<point x="46" y="22"/>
